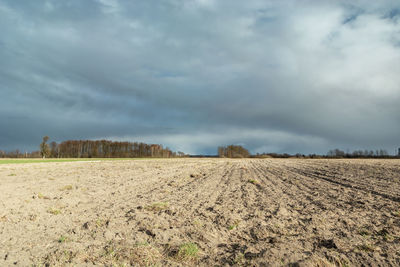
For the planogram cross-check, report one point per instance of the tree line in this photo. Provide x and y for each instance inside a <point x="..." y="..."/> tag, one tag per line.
<point x="107" y="149"/>
<point x="233" y="151"/>
<point x="95" y="149"/>
<point x="18" y="154"/>
<point x="379" y="153"/>
<point x="112" y="149"/>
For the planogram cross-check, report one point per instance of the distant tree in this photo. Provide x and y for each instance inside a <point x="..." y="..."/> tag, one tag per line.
<point x="44" y="148"/>
<point x="233" y="151"/>
<point x="53" y="150"/>
<point x="221" y="152"/>
<point x="336" y="153"/>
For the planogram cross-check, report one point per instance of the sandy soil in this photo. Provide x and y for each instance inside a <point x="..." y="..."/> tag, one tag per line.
<point x="269" y="212"/>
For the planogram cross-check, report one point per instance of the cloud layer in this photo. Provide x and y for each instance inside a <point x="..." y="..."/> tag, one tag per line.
<point x="292" y="76"/>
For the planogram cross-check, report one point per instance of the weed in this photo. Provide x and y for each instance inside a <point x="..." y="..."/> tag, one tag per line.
<point x="67" y="187"/>
<point x="102" y="222"/>
<point x="12" y="174"/>
<point x="62" y="239"/>
<point x="234" y="225"/>
<point x="109" y="250"/>
<point x="141" y="254"/>
<point x="385" y="235"/>
<point x="364" y="233"/>
<point x="157" y="206"/>
<point x="188" y="251"/>
<point x="41" y="196"/>
<point x="253" y="181"/>
<point x="366" y="247"/>
<point x="54" y="211"/>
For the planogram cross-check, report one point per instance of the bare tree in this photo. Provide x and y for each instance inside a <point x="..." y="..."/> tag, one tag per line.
<point x="44" y="147"/>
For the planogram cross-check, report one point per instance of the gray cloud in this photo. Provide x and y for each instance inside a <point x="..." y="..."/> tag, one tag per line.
<point x="299" y="76"/>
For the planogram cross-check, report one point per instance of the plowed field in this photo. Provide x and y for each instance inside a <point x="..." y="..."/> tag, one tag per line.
<point x="206" y="212"/>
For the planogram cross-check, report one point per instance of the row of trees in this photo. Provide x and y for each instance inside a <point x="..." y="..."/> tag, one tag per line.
<point x="110" y="149"/>
<point x="103" y="149"/>
<point x="337" y="153"/>
<point x="233" y="151"/>
<point x="19" y="154"/>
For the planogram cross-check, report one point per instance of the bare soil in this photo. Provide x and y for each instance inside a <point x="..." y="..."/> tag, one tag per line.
<point x="206" y="212"/>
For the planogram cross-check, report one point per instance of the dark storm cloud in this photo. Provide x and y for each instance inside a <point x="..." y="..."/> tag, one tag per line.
<point x="292" y="76"/>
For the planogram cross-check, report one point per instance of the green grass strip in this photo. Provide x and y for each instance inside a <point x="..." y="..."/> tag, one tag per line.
<point x="20" y="161"/>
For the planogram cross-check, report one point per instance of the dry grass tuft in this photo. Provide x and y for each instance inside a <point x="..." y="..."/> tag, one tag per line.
<point x="157" y="206"/>
<point x="316" y="261"/>
<point x="67" y="187"/>
<point x="54" y="211"/>
<point x="121" y="254"/>
<point x="187" y="252"/>
<point x="41" y="196"/>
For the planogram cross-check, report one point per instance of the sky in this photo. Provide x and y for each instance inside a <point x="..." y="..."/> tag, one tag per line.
<point x="274" y="76"/>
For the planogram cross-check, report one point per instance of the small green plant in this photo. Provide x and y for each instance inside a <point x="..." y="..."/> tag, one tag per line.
<point x="110" y="251"/>
<point x="157" y="206"/>
<point x="54" y="211"/>
<point x="253" y="181"/>
<point x="233" y="226"/>
<point x="12" y="174"/>
<point x="62" y="239"/>
<point x="188" y="251"/>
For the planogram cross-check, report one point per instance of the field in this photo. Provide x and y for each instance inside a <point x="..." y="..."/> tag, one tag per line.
<point x="35" y="160"/>
<point x="206" y="212"/>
